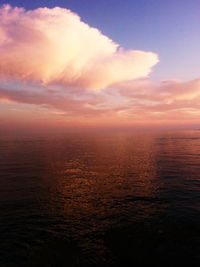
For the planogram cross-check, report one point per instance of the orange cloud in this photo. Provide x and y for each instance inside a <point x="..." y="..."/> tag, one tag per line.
<point x="54" y="46"/>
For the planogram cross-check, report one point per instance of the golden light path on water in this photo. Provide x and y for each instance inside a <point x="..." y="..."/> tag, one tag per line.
<point x="78" y="186"/>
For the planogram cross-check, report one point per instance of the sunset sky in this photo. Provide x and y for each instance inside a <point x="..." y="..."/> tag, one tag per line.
<point x="99" y="63"/>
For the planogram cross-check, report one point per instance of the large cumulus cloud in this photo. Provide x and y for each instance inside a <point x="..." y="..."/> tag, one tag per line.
<point x="47" y="56"/>
<point x="54" y="46"/>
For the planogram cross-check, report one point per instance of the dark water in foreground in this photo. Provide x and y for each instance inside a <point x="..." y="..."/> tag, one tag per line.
<point x="110" y="194"/>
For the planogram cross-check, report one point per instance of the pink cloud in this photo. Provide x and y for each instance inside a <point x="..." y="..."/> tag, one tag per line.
<point x="47" y="58"/>
<point x="54" y="46"/>
<point x="141" y="101"/>
<point x="162" y="101"/>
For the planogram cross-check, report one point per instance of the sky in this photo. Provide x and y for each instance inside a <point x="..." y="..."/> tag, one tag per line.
<point x="99" y="63"/>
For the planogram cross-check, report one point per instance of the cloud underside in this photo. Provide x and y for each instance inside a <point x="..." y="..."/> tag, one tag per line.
<point x="54" y="62"/>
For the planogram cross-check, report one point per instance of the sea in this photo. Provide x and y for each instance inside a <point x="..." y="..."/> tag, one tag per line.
<point x="100" y="198"/>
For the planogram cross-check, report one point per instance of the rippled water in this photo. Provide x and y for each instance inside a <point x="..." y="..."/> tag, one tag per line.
<point x="78" y="186"/>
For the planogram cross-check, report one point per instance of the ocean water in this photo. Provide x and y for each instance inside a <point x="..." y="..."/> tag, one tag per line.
<point x="79" y="190"/>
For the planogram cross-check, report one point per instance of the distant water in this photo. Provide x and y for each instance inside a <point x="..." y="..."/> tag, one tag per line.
<point x="79" y="186"/>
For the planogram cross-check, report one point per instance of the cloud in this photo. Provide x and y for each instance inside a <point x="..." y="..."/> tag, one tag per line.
<point x="141" y="101"/>
<point x="53" y="46"/>
<point x="165" y="100"/>
<point x="48" y="56"/>
<point x="73" y="105"/>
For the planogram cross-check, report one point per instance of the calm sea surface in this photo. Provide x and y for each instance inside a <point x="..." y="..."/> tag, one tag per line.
<point x="79" y="186"/>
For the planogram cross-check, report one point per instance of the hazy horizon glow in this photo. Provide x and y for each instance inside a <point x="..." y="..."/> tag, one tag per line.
<point x="57" y="71"/>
